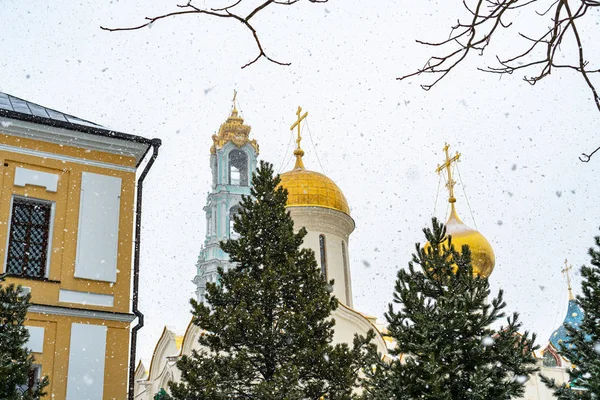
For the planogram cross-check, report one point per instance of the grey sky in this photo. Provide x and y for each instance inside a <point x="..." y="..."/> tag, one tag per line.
<point x="378" y="139"/>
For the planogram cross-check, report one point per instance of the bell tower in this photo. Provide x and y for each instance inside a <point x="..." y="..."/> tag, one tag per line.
<point x="232" y="161"/>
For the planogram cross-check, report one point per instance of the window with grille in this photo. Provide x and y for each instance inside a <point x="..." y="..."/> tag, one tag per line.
<point x="28" y="241"/>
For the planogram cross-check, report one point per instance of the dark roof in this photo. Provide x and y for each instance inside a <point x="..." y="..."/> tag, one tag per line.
<point x="16" y="108"/>
<point x="12" y="103"/>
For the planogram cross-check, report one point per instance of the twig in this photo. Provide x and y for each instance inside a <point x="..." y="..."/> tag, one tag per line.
<point x="485" y="19"/>
<point x="224" y="12"/>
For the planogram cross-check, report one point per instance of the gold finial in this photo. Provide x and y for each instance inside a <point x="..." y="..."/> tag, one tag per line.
<point x="566" y="271"/>
<point x="234" y="112"/>
<point x="298" y="152"/>
<point x="447" y="165"/>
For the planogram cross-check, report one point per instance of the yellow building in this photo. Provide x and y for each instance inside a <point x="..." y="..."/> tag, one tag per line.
<point x="68" y="206"/>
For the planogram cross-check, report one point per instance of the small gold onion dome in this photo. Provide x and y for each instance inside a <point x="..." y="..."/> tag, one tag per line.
<point x="312" y="189"/>
<point x="482" y="254"/>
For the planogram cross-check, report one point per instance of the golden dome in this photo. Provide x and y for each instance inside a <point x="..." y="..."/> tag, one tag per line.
<point x="312" y="189"/>
<point x="309" y="188"/>
<point x="233" y="130"/>
<point x="482" y="254"/>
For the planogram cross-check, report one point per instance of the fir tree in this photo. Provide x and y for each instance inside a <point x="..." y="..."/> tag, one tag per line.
<point x="15" y="359"/>
<point x="582" y="348"/>
<point x="162" y="395"/>
<point x="445" y="345"/>
<point x="268" y="326"/>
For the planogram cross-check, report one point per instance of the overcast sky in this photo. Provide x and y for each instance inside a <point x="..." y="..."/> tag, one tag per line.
<point x="379" y="139"/>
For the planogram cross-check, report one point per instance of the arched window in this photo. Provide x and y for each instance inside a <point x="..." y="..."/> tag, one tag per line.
<point x="322" y="247"/>
<point x="232" y="213"/>
<point x="346" y="271"/>
<point x="549" y="359"/>
<point x="238" y="168"/>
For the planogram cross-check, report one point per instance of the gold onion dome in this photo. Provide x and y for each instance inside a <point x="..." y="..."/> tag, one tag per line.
<point x="482" y="254"/>
<point x="308" y="188"/>
<point x="312" y="189"/>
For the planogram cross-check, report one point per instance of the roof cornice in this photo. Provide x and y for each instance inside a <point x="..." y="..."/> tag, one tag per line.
<point x="70" y="134"/>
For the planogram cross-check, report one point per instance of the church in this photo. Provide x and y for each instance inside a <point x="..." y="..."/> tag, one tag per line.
<point x="318" y="204"/>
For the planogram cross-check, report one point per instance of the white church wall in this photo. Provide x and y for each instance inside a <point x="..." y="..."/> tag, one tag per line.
<point x="349" y="323"/>
<point x="535" y="388"/>
<point x="336" y="227"/>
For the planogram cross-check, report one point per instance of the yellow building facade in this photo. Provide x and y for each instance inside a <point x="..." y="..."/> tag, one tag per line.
<point x="70" y="212"/>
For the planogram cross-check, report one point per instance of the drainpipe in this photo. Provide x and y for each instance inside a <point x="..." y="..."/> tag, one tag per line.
<point x="155" y="143"/>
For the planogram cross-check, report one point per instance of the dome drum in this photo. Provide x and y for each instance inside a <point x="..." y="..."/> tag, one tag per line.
<point x="327" y="235"/>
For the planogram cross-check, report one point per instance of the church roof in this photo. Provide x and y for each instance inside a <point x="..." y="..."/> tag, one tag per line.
<point x="18" y="109"/>
<point x="17" y="105"/>
<point x="573" y="318"/>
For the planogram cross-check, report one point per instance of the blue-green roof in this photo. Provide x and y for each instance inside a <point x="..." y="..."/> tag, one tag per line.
<point x="574" y="317"/>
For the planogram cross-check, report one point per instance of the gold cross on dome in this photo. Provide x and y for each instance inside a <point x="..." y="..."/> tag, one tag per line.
<point x="299" y="152"/>
<point x="297" y="124"/>
<point x="447" y="166"/>
<point x="566" y="270"/>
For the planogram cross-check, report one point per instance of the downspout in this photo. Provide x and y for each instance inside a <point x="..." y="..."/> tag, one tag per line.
<point x="155" y="143"/>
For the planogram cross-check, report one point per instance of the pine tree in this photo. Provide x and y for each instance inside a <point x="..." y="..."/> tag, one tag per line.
<point x="162" y="395"/>
<point x="584" y="353"/>
<point x="16" y="360"/>
<point x="445" y="345"/>
<point x="268" y="326"/>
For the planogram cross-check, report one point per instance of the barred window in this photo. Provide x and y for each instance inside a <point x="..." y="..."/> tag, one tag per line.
<point x="28" y="242"/>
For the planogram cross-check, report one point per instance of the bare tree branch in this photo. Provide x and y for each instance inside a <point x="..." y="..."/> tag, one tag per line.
<point x="541" y="56"/>
<point x="224" y="12"/>
<point x="586" y="157"/>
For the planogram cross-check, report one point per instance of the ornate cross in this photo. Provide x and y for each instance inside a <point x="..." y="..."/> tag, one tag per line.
<point x="447" y="165"/>
<point x="297" y="124"/>
<point x="566" y="270"/>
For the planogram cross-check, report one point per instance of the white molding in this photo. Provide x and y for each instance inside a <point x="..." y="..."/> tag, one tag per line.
<point x="68" y="137"/>
<point x="320" y="219"/>
<point x="8" y="226"/>
<point x="25" y="176"/>
<point x="50" y="235"/>
<point x="36" y="339"/>
<point x="53" y="156"/>
<point x="86" y="298"/>
<point x="81" y="313"/>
